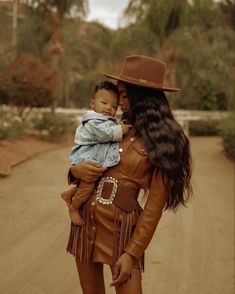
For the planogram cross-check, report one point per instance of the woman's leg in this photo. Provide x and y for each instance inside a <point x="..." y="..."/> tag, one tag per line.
<point x="132" y="285"/>
<point x="91" y="277"/>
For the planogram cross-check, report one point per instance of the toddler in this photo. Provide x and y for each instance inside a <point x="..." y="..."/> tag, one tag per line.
<point x="96" y="139"/>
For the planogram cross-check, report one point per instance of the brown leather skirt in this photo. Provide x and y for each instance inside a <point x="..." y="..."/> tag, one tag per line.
<point x="106" y="230"/>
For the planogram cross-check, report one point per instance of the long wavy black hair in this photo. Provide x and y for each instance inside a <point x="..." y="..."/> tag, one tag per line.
<point x="165" y="141"/>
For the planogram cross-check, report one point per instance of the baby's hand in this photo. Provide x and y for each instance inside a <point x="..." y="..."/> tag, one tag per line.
<point x="125" y="128"/>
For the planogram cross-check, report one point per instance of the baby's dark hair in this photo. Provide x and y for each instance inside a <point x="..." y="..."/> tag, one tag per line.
<point x="107" y="85"/>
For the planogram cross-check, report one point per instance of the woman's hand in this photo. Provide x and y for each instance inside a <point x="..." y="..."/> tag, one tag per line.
<point x="88" y="171"/>
<point x="122" y="269"/>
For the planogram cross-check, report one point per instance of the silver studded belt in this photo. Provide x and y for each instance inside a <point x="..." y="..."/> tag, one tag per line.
<point x="99" y="198"/>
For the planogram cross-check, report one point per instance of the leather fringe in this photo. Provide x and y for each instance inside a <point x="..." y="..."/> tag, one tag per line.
<point x="78" y="242"/>
<point x="123" y="229"/>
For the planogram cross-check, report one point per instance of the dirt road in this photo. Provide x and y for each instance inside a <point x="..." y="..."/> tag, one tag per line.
<point x="192" y="251"/>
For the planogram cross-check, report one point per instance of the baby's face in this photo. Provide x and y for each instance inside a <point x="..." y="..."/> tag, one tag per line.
<point x="105" y="102"/>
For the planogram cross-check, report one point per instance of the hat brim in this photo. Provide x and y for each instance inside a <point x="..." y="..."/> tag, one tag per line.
<point x="141" y="84"/>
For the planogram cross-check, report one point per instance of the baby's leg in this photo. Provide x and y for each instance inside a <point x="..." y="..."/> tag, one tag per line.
<point x="75" y="216"/>
<point x="82" y="194"/>
<point x="68" y="195"/>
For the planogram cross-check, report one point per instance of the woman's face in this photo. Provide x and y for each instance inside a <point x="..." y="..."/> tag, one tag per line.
<point x="123" y="99"/>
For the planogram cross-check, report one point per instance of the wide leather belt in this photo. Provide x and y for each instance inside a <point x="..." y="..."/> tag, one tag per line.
<point x="110" y="191"/>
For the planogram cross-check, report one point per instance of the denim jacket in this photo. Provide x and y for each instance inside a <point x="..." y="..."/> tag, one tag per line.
<point x="96" y="140"/>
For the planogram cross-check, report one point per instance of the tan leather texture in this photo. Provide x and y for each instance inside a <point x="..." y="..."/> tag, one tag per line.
<point x="108" y="224"/>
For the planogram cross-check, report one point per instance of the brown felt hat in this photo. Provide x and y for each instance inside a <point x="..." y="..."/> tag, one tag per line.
<point x="143" y="71"/>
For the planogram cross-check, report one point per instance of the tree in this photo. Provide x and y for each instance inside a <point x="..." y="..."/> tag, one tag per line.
<point x="228" y="9"/>
<point x="28" y="82"/>
<point x="197" y="45"/>
<point x="161" y="17"/>
<point x="53" y="13"/>
<point x="85" y="58"/>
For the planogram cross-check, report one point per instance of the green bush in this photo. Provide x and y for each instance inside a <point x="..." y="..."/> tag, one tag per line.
<point x="11" y="125"/>
<point x="55" y="126"/>
<point x="38" y="122"/>
<point x="204" y="128"/>
<point x="228" y="136"/>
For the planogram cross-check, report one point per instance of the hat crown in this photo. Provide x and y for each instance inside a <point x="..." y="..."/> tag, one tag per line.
<point x="143" y="68"/>
<point x="143" y="71"/>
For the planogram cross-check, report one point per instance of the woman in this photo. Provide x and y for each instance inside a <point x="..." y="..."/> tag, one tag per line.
<point x="155" y="156"/>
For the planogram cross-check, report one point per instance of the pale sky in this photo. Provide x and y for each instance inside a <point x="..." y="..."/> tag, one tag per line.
<point x="107" y="12"/>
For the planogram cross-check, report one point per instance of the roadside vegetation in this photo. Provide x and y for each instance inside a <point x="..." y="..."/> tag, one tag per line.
<point x="53" y="58"/>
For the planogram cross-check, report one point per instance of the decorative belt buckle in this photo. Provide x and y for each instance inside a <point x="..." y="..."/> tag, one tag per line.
<point x="109" y="200"/>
